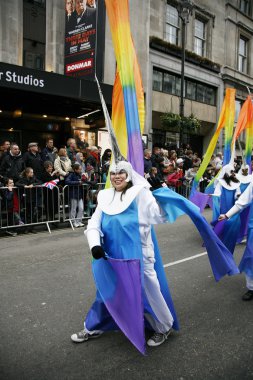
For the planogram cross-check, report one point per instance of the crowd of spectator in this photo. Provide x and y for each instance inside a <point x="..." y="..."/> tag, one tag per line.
<point x="75" y="165"/>
<point x="68" y="165"/>
<point x="51" y="163"/>
<point x="177" y="168"/>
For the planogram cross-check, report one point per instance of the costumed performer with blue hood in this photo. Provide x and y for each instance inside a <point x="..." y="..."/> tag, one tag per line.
<point x="121" y="227"/>
<point x="246" y="264"/>
<point x="123" y="220"/>
<point x="226" y="192"/>
<point x="245" y="179"/>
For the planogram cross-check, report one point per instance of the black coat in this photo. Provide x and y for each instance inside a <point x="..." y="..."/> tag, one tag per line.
<point x="35" y="162"/>
<point x="93" y="162"/>
<point x="157" y="160"/>
<point x="147" y="165"/>
<point x="24" y="181"/>
<point x="88" y="18"/>
<point x="48" y="155"/>
<point x="12" y="166"/>
<point x="46" y="177"/>
<point x="31" y="195"/>
<point x="188" y="164"/>
<point x="74" y="181"/>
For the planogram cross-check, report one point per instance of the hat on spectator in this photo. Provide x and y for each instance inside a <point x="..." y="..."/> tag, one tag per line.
<point x="179" y="161"/>
<point x="30" y="145"/>
<point x="93" y="148"/>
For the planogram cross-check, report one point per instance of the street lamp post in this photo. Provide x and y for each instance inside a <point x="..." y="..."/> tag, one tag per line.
<point x="184" y="9"/>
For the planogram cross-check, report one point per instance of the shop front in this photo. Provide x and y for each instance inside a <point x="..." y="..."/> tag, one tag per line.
<point x="36" y="105"/>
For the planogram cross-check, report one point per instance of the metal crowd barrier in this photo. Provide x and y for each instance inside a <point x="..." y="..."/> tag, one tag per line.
<point x="26" y="207"/>
<point x="181" y="187"/>
<point x="79" y="202"/>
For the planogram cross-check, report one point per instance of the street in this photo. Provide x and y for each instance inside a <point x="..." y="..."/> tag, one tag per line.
<point x="47" y="287"/>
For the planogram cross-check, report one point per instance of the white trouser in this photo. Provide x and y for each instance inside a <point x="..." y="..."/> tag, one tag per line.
<point x="153" y="293"/>
<point x="155" y="298"/>
<point x="76" y="203"/>
<point x="249" y="282"/>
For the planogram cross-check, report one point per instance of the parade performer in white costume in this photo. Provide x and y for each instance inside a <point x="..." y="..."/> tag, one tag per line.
<point x="246" y="264"/>
<point x="131" y="203"/>
<point x="245" y="179"/>
<point x="227" y="190"/>
<point x="121" y="227"/>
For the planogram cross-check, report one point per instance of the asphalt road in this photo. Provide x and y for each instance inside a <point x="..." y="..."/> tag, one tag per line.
<point x="46" y="288"/>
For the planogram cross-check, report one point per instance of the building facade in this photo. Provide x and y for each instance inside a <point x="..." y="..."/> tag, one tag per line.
<point x="218" y="46"/>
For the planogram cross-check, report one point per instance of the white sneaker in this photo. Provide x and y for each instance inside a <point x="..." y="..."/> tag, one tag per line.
<point x="81" y="224"/>
<point x="76" y="225"/>
<point x="82" y="336"/>
<point x="158" y="338"/>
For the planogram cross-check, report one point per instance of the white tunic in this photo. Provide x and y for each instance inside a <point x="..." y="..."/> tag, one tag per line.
<point x="244" y="200"/>
<point x="149" y="213"/>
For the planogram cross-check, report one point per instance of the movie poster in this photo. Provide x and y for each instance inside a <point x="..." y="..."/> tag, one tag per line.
<point x="80" y="38"/>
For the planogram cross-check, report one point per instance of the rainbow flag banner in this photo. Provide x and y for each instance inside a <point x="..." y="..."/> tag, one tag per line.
<point x="245" y="123"/>
<point x="226" y="121"/>
<point x="120" y="279"/>
<point x="249" y="140"/>
<point x="128" y="97"/>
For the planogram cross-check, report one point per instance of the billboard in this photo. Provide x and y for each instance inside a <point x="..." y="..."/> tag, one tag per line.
<point x="80" y="37"/>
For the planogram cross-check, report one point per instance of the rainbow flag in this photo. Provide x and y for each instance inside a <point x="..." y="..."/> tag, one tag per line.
<point x="226" y="121"/>
<point x="229" y="124"/>
<point x="245" y="123"/>
<point x="122" y="278"/>
<point x="249" y="141"/>
<point x="249" y="133"/>
<point x="128" y="97"/>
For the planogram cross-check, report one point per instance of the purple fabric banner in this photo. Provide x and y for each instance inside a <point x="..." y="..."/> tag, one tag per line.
<point x="119" y="284"/>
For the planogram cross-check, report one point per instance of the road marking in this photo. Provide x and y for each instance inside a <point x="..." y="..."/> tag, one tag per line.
<point x="183" y="260"/>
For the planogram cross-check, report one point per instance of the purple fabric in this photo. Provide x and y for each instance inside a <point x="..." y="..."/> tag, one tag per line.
<point x="244" y="216"/>
<point x="200" y="200"/>
<point x="119" y="284"/>
<point x="218" y="226"/>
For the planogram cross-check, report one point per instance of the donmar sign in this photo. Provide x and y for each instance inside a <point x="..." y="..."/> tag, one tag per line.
<point x="80" y="37"/>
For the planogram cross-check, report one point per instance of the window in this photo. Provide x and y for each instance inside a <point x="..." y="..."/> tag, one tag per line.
<point x="242" y="56"/>
<point x="170" y="83"/>
<point x="199" y="37"/>
<point x="172" y="138"/>
<point x="33" y="61"/>
<point x="40" y="3"/>
<point x="210" y="96"/>
<point x="157" y="80"/>
<point x="200" y="94"/>
<point x="34" y="34"/>
<point x="245" y="6"/>
<point x="172" y="25"/>
<point x="238" y="106"/>
<point x="190" y="90"/>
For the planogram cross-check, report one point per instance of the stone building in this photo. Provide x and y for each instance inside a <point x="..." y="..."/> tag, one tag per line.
<point x="219" y="51"/>
<point x="218" y="45"/>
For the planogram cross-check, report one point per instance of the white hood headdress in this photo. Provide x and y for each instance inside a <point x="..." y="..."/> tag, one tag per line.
<point x="122" y="165"/>
<point x="244" y="178"/>
<point x="227" y="170"/>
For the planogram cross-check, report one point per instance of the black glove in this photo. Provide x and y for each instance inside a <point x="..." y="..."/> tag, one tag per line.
<point x="98" y="252"/>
